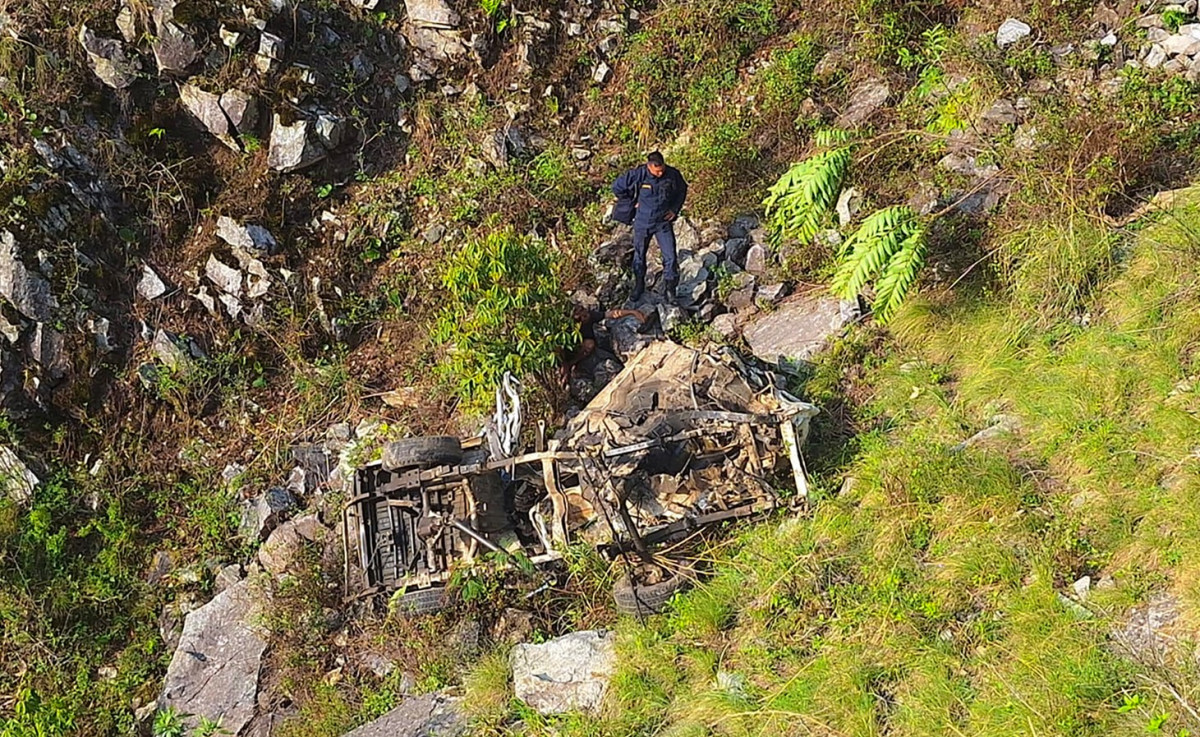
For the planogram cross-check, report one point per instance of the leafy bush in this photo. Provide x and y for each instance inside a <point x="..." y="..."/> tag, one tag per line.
<point x="505" y="311"/>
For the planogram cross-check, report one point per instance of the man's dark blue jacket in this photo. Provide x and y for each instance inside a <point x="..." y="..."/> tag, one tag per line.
<point x="644" y="200"/>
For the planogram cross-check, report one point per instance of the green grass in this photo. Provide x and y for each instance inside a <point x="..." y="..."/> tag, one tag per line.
<point x="926" y="597"/>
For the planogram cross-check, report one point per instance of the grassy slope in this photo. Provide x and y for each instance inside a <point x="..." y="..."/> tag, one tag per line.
<point x="923" y="596"/>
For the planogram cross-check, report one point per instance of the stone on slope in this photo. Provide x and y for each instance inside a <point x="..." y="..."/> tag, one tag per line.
<point x="108" y="59"/>
<point x="151" y="286"/>
<point x="17" y="482"/>
<point x="865" y="101"/>
<point x="799" y="329"/>
<point x="1012" y="31"/>
<point x="27" y="290"/>
<point x="214" y="671"/>
<point x="282" y="550"/>
<point x="248" y="237"/>
<point x="174" y="50"/>
<point x="261" y="515"/>
<point x="430" y="715"/>
<point x="431" y="13"/>
<point x="291" y="148"/>
<point x="568" y="673"/>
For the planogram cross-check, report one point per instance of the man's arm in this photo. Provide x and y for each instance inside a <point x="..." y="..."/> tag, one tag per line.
<point x="681" y="189"/>
<point x="625" y="187"/>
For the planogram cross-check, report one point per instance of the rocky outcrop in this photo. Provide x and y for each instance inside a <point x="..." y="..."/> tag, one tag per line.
<point x="226" y="116"/>
<point x="431" y="715"/>
<point x="27" y="290"/>
<point x="108" y="59"/>
<point x="214" y="672"/>
<point x="17" y="482"/>
<point x="292" y="147"/>
<point x="283" y="549"/>
<point x="568" y="673"/>
<point x="799" y="328"/>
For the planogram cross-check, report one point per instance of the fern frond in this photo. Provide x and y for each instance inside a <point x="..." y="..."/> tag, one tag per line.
<point x="899" y="276"/>
<point x="804" y="196"/>
<point x="870" y="250"/>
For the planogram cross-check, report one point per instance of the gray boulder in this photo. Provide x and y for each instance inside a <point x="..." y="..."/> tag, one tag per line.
<point x="291" y="147"/>
<point x="568" y="673"/>
<point x="283" y="548"/>
<point x="214" y="671"/>
<point x="175" y="353"/>
<point x="108" y="60"/>
<point x="27" y="290"/>
<point x="150" y="286"/>
<point x="756" y="260"/>
<point x="1012" y="31"/>
<point x="262" y="514"/>
<point x="223" y="115"/>
<point x="17" y="482"/>
<point x="47" y="347"/>
<point x="431" y="13"/>
<point x="247" y="237"/>
<point x="435" y="45"/>
<point x="430" y="715"/>
<point x="174" y="50"/>
<point x="865" y="101"/>
<point x="799" y="329"/>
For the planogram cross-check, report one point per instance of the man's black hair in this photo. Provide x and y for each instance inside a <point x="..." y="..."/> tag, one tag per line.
<point x="656" y="158"/>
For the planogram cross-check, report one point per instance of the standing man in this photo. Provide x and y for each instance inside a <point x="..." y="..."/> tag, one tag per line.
<point x="651" y="196"/>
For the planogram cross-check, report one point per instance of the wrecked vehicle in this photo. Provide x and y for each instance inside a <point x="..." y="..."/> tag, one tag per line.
<point x="678" y="440"/>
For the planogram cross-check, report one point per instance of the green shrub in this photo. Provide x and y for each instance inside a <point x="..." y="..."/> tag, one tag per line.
<point x="505" y="311"/>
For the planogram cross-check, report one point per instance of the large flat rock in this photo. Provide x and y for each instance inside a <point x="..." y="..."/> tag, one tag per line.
<point x="431" y="715"/>
<point x="214" y="672"/>
<point x="799" y="328"/>
<point x="568" y="673"/>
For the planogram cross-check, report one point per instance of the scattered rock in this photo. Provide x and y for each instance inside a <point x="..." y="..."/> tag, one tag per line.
<point x="176" y="354"/>
<point x="514" y="625"/>
<point x="1149" y="632"/>
<point x="865" y="101"/>
<point x="248" y="237"/>
<point x="150" y="286"/>
<point x="174" y="50"/>
<point x="17" y="482"/>
<point x="329" y="129"/>
<point x="431" y="14"/>
<point x="1001" y="116"/>
<point x="495" y="149"/>
<point x="1012" y="31"/>
<point x="108" y="59"/>
<point x="214" y="671"/>
<point x="848" y="205"/>
<point x="601" y="73"/>
<point x="227" y="278"/>
<point x="756" y="260"/>
<point x="27" y="290"/>
<point x="227" y="577"/>
<point x="770" y="293"/>
<point x="262" y="514"/>
<point x="291" y="148"/>
<point x="741" y="292"/>
<point x="1181" y="45"/>
<point x="47" y="348"/>
<point x="799" y="328"/>
<point x="280" y="553"/>
<point x="726" y="325"/>
<point x="1082" y="587"/>
<point x="431" y="715"/>
<point x="568" y="673"/>
<point x="1000" y="426"/>
<point x="160" y="566"/>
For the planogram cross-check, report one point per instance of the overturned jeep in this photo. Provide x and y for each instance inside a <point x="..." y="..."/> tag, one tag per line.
<point x="678" y="440"/>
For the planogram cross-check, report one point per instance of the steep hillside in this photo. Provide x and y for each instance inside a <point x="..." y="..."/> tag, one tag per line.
<point x="227" y="233"/>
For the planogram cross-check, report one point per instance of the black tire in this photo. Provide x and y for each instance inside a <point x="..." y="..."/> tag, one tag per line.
<point x="421" y="602"/>
<point x="439" y="450"/>
<point x="642" y="601"/>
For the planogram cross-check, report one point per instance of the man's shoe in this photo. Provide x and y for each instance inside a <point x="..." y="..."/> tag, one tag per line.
<point x="639" y="288"/>
<point x="670" y="287"/>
